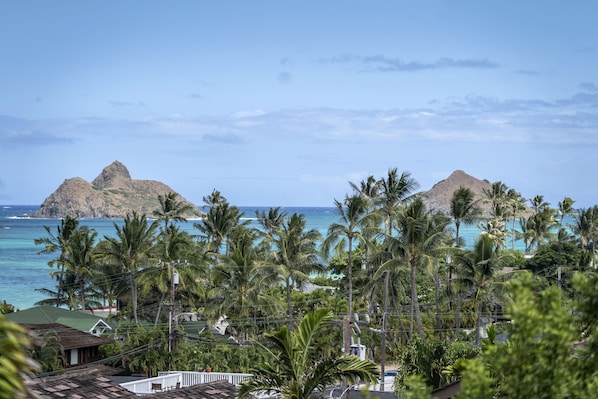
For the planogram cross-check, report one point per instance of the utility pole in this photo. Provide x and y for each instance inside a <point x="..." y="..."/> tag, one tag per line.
<point x="174" y="277"/>
<point x="383" y="343"/>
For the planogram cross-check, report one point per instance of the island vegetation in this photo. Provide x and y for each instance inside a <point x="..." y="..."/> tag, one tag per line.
<point x="391" y="274"/>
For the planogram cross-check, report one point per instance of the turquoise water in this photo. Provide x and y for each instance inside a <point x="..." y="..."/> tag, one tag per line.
<point x="22" y="270"/>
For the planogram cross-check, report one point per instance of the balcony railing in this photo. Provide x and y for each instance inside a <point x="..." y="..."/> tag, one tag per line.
<point x="190" y="378"/>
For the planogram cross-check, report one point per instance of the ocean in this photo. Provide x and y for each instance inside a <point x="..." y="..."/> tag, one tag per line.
<point x="23" y="270"/>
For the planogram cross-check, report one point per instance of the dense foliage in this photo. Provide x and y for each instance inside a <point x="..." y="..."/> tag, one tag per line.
<point x="399" y="271"/>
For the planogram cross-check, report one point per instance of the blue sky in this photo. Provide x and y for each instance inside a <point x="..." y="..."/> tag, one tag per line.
<point x="280" y="103"/>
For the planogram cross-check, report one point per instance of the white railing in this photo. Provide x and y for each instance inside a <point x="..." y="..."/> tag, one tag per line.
<point x="160" y="383"/>
<point x="190" y="378"/>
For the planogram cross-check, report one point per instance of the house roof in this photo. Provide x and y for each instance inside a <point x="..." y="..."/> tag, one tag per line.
<point x="50" y="314"/>
<point x="88" y="383"/>
<point x="69" y="337"/>
<point x="212" y="390"/>
<point x="81" y="384"/>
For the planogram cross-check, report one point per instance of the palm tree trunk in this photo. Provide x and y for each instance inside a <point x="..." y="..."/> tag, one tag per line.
<point x="82" y="289"/>
<point x="134" y="296"/>
<point x="415" y="301"/>
<point x="458" y="315"/>
<point x="289" y="306"/>
<point x="350" y="278"/>
<point x="159" y="309"/>
<point x="401" y="324"/>
<point x="437" y="299"/>
<point x="478" y="325"/>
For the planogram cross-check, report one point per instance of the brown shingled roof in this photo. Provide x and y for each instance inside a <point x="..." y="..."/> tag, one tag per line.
<point x="83" y="384"/>
<point x="68" y="337"/>
<point x="77" y="385"/>
<point x="212" y="390"/>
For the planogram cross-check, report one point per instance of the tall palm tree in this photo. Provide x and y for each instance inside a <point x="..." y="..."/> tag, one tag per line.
<point x="480" y="270"/>
<point x="464" y="208"/>
<point x="132" y="250"/>
<point x="297" y="368"/>
<point x="218" y="223"/>
<point x="495" y="226"/>
<point x="82" y="260"/>
<point x="294" y="254"/>
<point x="585" y="227"/>
<point x="369" y="189"/>
<point x="240" y="282"/>
<point x="171" y="209"/>
<point x="516" y="205"/>
<point x="354" y="221"/>
<point x="565" y="209"/>
<point x="59" y="242"/>
<point x="422" y="234"/>
<point x="172" y="245"/>
<point x="395" y="192"/>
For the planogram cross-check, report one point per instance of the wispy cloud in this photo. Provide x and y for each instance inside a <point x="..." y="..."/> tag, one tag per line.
<point x="381" y="63"/>
<point x="473" y="118"/>
<point x="227" y="138"/>
<point x="120" y="103"/>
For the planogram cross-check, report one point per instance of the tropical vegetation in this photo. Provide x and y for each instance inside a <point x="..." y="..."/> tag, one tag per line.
<point x="390" y="273"/>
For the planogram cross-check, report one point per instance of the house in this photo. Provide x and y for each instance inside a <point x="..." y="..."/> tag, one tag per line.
<point x="78" y="347"/>
<point x="91" y="324"/>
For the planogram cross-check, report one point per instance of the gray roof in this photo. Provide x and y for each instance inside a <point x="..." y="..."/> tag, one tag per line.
<point x="91" y="383"/>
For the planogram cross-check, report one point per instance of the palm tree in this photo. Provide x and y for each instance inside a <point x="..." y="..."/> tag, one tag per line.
<point x="565" y="208"/>
<point x="219" y="222"/>
<point x="422" y="234"/>
<point x="516" y="204"/>
<point x="495" y="225"/>
<point x="297" y="368"/>
<point x="82" y="260"/>
<point x="395" y="192"/>
<point x="369" y="189"/>
<point x="171" y="209"/>
<point x="464" y="208"/>
<point x="585" y="227"/>
<point x="59" y="242"/>
<point x="240" y="281"/>
<point x="131" y="249"/>
<point x="294" y="254"/>
<point x="172" y="245"/>
<point x="480" y="269"/>
<point x="353" y="222"/>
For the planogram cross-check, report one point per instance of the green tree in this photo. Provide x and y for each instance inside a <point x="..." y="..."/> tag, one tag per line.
<point x="171" y="209"/>
<point x="240" y="282"/>
<point x="297" y="369"/>
<point x="542" y="358"/>
<point x="565" y="209"/>
<point x="429" y="358"/>
<point x="479" y="269"/>
<point x="132" y="250"/>
<point x="349" y="230"/>
<point x="59" y="242"/>
<point x="81" y="263"/>
<point x="464" y="208"/>
<point x="219" y="222"/>
<point x="422" y="234"/>
<point x="294" y="254"/>
<point x="16" y="365"/>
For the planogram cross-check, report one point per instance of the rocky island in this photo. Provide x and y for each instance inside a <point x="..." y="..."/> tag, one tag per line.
<point x="112" y="194"/>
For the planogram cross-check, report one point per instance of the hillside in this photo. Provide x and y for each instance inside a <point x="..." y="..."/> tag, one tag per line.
<point x="439" y="196"/>
<point x="112" y="194"/>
